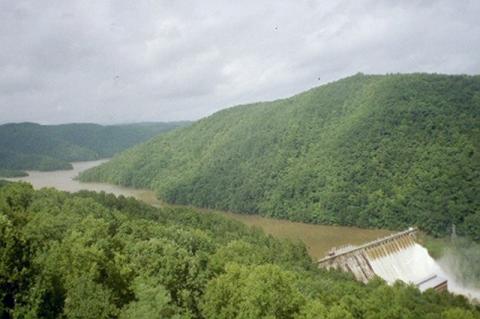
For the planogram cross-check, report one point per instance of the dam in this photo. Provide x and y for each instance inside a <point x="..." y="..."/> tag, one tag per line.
<point x="392" y="258"/>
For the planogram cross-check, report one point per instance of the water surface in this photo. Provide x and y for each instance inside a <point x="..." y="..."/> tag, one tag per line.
<point x="317" y="238"/>
<point x="65" y="180"/>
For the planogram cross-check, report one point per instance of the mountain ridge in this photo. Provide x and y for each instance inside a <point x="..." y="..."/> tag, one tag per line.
<point x="30" y="146"/>
<point x="368" y="150"/>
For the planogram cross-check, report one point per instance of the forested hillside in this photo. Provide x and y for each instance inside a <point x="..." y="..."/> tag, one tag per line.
<point x="30" y="146"/>
<point x="369" y="150"/>
<point x="92" y="255"/>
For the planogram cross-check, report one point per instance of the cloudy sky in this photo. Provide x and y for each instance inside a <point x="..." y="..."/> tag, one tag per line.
<point x="113" y="61"/>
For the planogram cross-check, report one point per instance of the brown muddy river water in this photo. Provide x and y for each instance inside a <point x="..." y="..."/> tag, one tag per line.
<point x="318" y="238"/>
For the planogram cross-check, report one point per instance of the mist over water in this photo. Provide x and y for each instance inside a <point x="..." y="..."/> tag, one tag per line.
<point x="461" y="261"/>
<point x="414" y="264"/>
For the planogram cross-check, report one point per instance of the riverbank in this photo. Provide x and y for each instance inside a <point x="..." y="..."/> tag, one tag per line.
<point x="317" y="238"/>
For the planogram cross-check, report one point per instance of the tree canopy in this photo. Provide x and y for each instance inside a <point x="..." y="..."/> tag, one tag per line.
<point x="387" y="151"/>
<point x="93" y="255"/>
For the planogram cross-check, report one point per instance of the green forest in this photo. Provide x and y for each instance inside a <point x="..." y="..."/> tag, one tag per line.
<point x="93" y="255"/>
<point x="387" y="151"/>
<point x="30" y="146"/>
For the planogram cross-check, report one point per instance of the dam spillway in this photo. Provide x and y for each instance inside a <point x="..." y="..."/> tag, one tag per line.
<point x="395" y="257"/>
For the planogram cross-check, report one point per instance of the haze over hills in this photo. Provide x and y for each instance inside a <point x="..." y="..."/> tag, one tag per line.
<point x="31" y="146"/>
<point x="369" y="150"/>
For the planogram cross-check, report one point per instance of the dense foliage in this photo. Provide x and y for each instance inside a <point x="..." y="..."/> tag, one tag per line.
<point x="26" y="146"/>
<point x="92" y="255"/>
<point x="12" y="173"/>
<point x="383" y="151"/>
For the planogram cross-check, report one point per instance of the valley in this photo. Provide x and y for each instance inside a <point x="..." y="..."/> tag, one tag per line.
<point x="372" y="151"/>
<point x="317" y="238"/>
<point x="239" y="160"/>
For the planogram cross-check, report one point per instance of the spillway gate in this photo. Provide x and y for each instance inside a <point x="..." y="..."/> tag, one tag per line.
<point x="395" y="257"/>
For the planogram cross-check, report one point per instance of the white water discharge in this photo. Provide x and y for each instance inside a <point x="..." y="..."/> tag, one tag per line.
<point x="413" y="264"/>
<point x="399" y="265"/>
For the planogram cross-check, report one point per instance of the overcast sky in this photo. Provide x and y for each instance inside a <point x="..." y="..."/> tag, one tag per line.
<point x="150" y="60"/>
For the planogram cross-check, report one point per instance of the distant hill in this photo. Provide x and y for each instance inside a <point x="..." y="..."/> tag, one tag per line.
<point x="369" y="150"/>
<point x="30" y="146"/>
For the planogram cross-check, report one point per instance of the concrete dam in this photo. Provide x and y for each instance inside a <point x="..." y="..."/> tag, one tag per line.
<point x="395" y="257"/>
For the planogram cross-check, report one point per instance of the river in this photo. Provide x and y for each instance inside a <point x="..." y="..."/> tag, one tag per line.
<point x="317" y="238"/>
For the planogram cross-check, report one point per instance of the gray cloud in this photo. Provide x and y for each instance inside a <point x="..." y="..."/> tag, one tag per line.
<point x="124" y="61"/>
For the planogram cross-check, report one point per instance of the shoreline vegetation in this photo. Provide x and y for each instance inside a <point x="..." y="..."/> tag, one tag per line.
<point x="459" y="255"/>
<point x="8" y="173"/>
<point x="318" y="238"/>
